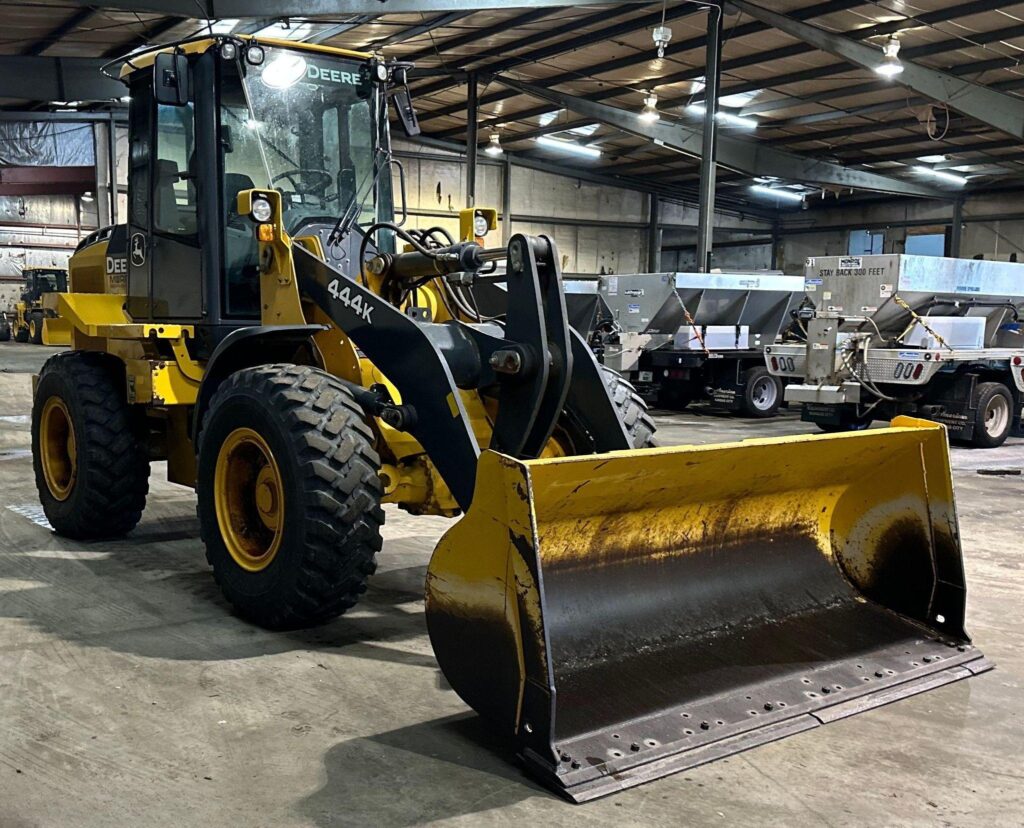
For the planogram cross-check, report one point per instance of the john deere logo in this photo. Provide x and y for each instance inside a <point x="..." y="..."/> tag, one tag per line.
<point x="138" y="249"/>
<point x="325" y="73"/>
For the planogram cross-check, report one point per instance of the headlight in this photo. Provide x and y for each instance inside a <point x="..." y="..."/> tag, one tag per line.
<point x="254" y="55"/>
<point x="480" y="226"/>
<point x="260" y="209"/>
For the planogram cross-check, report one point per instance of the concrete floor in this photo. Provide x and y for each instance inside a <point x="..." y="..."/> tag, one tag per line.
<point x="129" y="695"/>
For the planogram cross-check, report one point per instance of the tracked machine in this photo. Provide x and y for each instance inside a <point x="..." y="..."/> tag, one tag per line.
<point x="300" y="358"/>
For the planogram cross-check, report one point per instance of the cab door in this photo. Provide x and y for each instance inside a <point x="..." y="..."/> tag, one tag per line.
<point x="164" y="261"/>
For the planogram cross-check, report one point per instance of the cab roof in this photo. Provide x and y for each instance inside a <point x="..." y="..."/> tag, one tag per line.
<point x="145" y="58"/>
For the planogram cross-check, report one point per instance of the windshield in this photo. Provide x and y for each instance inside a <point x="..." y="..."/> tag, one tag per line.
<point x="302" y="123"/>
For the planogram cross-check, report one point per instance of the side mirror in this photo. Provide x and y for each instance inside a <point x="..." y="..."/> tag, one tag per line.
<point x="170" y="79"/>
<point x="406" y="111"/>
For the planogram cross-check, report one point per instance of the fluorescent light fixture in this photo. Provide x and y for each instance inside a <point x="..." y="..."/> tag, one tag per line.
<point x="225" y="26"/>
<point x="87" y="197"/>
<point x="283" y="31"/>
<point x="931" y="159"/>
<point x="493" y="147"/>
<point x="568" y="146"/>
<point x="942" y="175"/>
<point x="890" y="65"/>
<point x="649" y="114"/>
<point x="725" y="117"/>
<point x="738" y="99"/>
<point x="776" y="192"/>
<point x="549" y="117"/>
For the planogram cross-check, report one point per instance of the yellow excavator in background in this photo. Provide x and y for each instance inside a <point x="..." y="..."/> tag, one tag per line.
<point x="300" y="357"/>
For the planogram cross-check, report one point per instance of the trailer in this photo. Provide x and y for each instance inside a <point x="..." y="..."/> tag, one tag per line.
<point x="933" y="337"/>
<point x="688" y="337"/>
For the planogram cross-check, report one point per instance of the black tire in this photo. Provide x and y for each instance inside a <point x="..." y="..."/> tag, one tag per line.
<point x="330" y="529"/>
<point x="36" y="329"/>
<point x="108" y="486"/>
<point x="993" y="414"/>
<point x="5" y="330"/>
<point x="631" y="408"/>
<point x="21" y="334"/>
<point x="762" y="393"/>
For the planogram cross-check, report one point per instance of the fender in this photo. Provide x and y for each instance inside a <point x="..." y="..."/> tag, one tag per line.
<point x="245" y="348"/>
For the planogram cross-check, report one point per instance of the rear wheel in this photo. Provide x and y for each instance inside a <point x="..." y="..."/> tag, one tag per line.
<point x="289" y="495"/>
<point x="5" y="330"/>
<point x="35" y="329"/>
<point x="20" y="333"/>
<point x="762" y="393"/>
<point x="89" y="447"/>
<point x="993" y="414"/>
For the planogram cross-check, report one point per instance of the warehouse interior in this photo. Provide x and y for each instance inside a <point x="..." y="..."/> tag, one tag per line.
<point x="883" y="139"/>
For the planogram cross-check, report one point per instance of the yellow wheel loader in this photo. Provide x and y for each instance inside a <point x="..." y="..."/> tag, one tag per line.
<point x="35" y="317"/>
<point x="301" y="358"/>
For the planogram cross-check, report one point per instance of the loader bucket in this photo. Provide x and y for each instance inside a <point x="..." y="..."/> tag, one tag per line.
<point x="56" y="331"/>
<point x="637" y="613"/>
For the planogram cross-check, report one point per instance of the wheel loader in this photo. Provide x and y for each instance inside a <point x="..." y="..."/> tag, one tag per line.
<point x="301" y="358"/>
<point x="35" y="318"/>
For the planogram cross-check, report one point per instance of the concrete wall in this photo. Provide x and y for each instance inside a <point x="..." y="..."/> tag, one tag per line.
<point x="598" y="229"/>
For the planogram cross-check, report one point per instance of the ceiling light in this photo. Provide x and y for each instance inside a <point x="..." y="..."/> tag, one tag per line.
<point x="932" y="159"/>
<point x="725" y="117"/>
<point x="776" y="192"/>
<point x="942" y="175"/>
<point x="568" y="146"/>
<point x="494" y="145"/>
<point x="890" y="65"/>
<point x="649" y="114"/>
<point x="87" y="197"/>
<point x="661" y="35"/>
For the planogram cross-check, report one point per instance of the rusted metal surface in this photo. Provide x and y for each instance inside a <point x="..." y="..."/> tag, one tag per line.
<point x="632" y="614"/>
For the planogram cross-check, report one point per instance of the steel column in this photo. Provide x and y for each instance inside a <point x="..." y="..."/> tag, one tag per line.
<point x="653" y="233"/>
<point x="709" y="156"/>
<point x="112" y="163"/>
<point x="472" y="98"/>
<point x="956" y="228"/>
<point x="506" y="202"/>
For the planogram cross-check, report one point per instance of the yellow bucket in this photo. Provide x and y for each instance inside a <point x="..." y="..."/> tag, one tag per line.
<point x="636" y="613"/>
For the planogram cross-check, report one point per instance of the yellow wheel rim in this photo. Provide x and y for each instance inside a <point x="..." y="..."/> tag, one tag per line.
<point x="249" y="499"/>
<point x="57" y="448"/>
<point x="32" y="329"/>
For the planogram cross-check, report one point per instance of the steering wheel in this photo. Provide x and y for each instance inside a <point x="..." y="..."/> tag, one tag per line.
<point x="321" y="178"/>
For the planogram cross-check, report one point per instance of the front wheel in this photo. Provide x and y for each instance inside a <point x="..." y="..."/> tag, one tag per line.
<point x="993" y="414"/>
<point x="762" y="393"/>
<point x="35" y="329"/>
<point x="289" y="495"/>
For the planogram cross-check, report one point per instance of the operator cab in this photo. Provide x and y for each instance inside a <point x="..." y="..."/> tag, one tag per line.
<point x="40" y="280"/>
<point x="218" y="116"/>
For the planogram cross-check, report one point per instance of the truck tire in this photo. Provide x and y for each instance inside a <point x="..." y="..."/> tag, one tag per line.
<point x="993" y="414"/>
<point x="89" y="447"/>
<point x="289" y="495"/>
<point x="5" y="330"/>
<point x="35" y="329"/>
<point x="20" y="333"/>
<point x="762" y="393"/>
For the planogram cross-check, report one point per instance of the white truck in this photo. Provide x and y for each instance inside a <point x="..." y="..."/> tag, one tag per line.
<point x="933" y="337"/>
